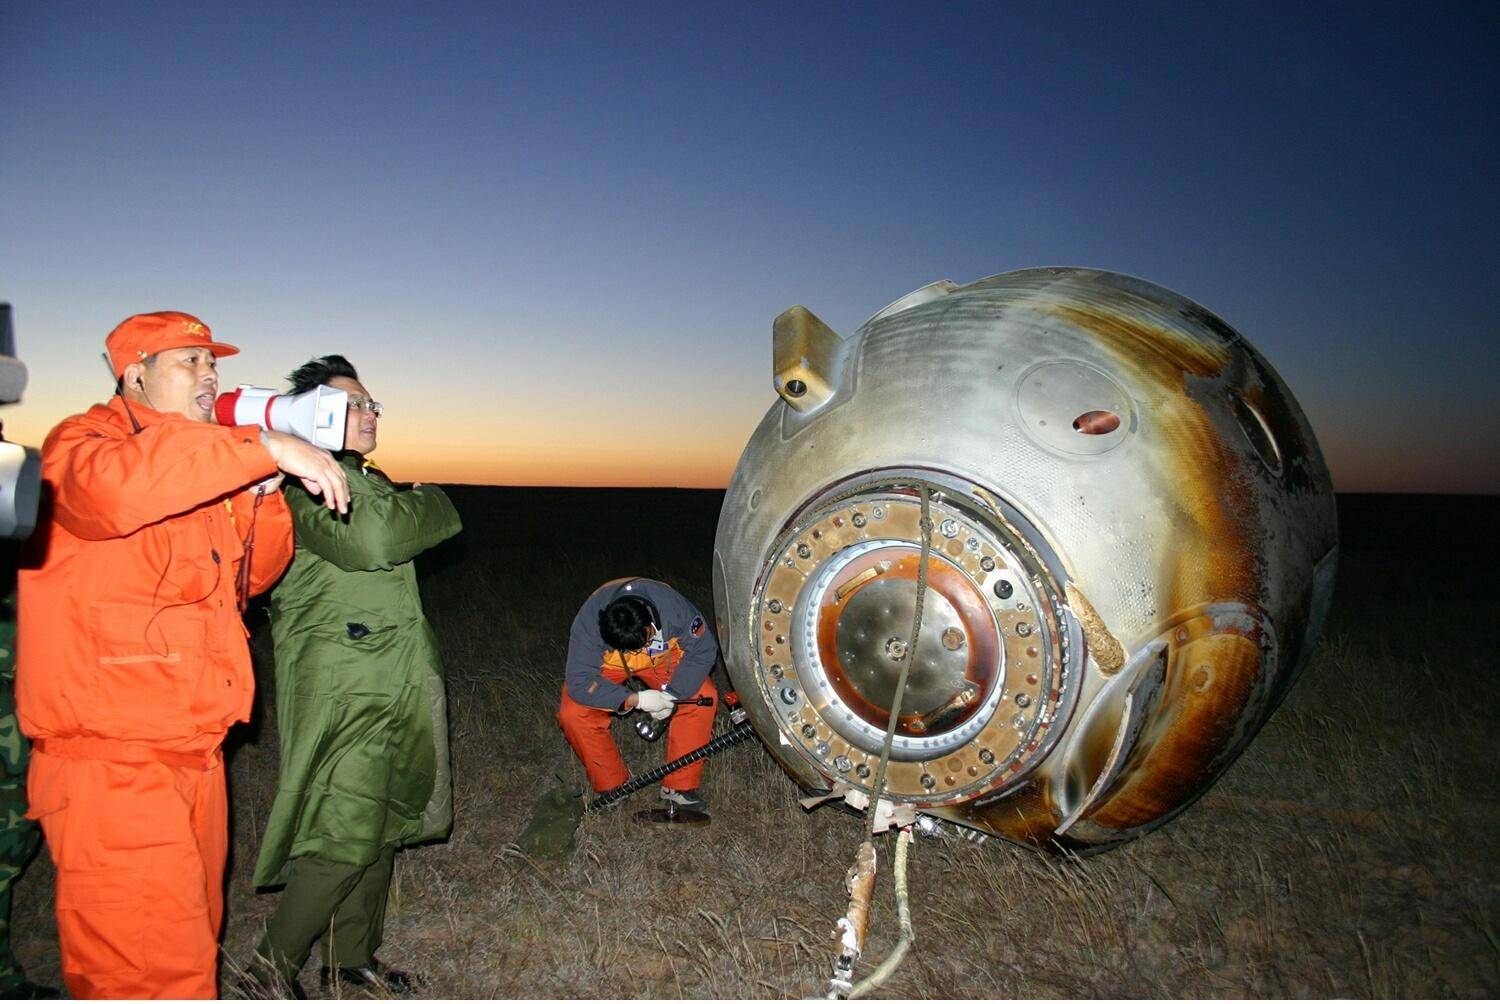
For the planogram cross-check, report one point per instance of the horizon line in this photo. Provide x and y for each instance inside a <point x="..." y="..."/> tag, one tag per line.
<point x="698" y="488"/>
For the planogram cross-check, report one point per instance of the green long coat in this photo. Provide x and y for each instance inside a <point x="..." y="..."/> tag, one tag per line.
<point x="359" y="684"/>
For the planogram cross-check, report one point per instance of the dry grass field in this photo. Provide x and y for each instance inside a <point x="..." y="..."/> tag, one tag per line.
<point x="1352" y="851"/>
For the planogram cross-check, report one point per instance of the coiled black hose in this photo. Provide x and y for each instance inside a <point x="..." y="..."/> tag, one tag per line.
<point x="744" y="730"/>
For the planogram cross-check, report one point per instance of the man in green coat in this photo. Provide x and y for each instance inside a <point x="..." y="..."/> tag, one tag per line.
<point x="359" y="707"/>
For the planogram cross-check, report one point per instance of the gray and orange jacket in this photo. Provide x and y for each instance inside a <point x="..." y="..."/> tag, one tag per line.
<point x="689" y="645"/>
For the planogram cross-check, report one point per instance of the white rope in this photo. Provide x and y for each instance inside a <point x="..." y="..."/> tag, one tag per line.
<point x="843" y="967"/>
<point x="903" y="911"/>
<point x="909" y="657"/>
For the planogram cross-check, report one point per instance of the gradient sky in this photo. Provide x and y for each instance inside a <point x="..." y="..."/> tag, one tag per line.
<point x="553" y="237"/>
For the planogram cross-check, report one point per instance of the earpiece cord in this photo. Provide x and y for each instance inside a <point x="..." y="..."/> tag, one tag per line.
<point x="242" y="583"/>
<point x="120" y="391"/>
<point x="158" y="611"/>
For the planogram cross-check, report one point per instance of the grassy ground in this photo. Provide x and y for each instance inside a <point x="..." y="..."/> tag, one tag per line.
<point x="1352" y="851"/>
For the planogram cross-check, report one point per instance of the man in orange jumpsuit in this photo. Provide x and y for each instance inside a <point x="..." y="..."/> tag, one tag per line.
<point x="644" y="629"/>
<point x="133" y="661"/>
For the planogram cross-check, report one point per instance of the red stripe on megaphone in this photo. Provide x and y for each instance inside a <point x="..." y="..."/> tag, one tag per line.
<point x="224" y="408"/>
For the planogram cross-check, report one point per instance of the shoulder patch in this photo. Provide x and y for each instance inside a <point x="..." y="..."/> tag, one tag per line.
<point x="696" y="628"/>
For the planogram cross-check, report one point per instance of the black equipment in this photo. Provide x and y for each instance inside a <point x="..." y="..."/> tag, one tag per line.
<point x="742" y="730"/>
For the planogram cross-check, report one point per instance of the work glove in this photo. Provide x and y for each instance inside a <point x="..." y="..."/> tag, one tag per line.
<point x="655" y="703"/>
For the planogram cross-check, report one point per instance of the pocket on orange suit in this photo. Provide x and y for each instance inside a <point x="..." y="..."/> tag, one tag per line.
<point x="140" y="807"/>
<point x="99" y="920"/>
<point x="147" y="667"/>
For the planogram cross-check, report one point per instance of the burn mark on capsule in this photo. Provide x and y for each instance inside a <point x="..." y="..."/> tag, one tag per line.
<point x="1096" y="423"/>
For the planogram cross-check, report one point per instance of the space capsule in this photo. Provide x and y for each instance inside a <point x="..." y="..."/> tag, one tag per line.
<point x="1131" y="538"/>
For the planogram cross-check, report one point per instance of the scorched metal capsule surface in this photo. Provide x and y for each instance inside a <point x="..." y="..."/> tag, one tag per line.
<point x="1133" y="546"/>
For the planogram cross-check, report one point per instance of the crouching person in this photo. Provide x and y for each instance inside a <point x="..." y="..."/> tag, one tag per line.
<point x="648" y="632"/>
<point x="360" y="710"/>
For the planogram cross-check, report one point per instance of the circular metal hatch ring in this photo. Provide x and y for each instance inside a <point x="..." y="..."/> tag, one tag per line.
<point x="999" y="657"/>
<point x="829" y="683"/>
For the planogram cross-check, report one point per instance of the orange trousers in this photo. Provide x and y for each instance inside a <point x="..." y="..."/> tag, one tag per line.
<point x="139" y="850"/>
<point x="587" y="730"/>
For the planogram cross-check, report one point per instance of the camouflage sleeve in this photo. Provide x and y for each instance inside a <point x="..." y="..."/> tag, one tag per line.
<point x="19" y="836"/>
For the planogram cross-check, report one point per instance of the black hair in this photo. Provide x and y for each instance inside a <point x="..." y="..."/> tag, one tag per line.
<point x="625" y="623"/>
<point x="316" y="372"/>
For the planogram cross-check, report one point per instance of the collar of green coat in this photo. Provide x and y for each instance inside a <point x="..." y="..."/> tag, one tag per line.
<point x="357" y="464"/>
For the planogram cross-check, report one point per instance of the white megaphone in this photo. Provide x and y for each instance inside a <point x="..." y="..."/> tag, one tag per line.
<point x="20" y="489"/>
<point x="20" y="466"/>
<point x="316" y="415"/>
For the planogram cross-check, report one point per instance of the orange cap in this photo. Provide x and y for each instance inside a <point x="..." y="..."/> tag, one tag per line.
<point x="142" y="335"/>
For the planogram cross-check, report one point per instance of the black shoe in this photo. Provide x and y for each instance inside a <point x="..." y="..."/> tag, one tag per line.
<point x="374" y="975"/>
<point x="687" y="799"/>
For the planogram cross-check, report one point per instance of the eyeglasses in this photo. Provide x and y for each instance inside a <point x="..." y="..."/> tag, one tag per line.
<point x="362" y="404"/>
